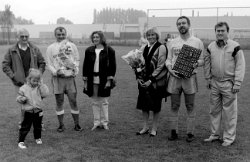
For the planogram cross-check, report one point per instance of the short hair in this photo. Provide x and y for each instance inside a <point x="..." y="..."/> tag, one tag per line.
<point x="21" y="31"/>
<point x="60" y="28"/>
<point x="220" y="24"/>
<point x="101" y="35"/>
<point x="183" y="17"/>
<point x="33" y="73"/>
<point x="153" y="30"/>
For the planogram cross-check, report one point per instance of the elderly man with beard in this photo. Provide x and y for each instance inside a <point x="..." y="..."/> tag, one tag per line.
<point x="177" y="85"/>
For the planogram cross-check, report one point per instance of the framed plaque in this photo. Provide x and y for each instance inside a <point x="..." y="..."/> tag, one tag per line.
<point x="186" y="58"/>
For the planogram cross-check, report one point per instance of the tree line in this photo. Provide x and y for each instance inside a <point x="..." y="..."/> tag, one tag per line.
<point x="117" y="16"/>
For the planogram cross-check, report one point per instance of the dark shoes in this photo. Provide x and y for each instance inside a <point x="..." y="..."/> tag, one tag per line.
<point x="78" y="128"/>
<point x="142" y="132"/>
<point x="174" y="136"/>
<point x="61" y="128"/>
<point x="190" y="137"/>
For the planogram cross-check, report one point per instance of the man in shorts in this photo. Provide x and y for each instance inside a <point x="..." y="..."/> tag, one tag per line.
<point x="63" y="62"/>
<point x="177" y="84"/>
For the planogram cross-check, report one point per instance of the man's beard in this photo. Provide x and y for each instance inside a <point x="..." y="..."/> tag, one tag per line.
<point x="183" y="31"/>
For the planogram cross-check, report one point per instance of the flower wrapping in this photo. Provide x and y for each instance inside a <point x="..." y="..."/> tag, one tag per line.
<point x="65" y="59"/>
<point x="136" y="61"/>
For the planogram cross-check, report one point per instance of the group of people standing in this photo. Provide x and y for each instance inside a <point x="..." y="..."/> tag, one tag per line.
<point x="223" y="63"/>
<point x="224" y="69"/>
<point x="24" y="65"/>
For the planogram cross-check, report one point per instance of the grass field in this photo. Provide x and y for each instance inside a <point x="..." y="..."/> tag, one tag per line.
<point x="119" y="143"/>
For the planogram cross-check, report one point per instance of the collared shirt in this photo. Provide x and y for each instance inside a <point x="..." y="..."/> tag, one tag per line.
<point x="23" y="47"/>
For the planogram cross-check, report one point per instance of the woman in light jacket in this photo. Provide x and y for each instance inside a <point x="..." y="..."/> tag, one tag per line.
<point x="99" y="68"/>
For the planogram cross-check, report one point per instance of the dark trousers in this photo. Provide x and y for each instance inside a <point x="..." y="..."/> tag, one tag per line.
<point x="31" y="117"/>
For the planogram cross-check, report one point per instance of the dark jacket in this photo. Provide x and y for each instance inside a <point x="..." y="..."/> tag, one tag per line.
<point x="107" y="69"/>
<point x="13" y="67"/>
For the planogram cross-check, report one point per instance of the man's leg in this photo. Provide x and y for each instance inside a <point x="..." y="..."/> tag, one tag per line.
<point x="229" y="113"/>
<point x="215" y="111"/>
<point x="191" y="113"/>
<point x="60" y="111"/>
<point x="173" y="119"/>
<point x="74" y="110"/>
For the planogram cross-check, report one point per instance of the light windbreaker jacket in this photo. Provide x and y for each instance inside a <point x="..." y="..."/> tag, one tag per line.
<point x="225" y="63"/>
<point x="34" y="96"/>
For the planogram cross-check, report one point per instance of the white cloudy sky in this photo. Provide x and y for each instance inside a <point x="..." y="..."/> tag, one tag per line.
<point x="81" y="11"/>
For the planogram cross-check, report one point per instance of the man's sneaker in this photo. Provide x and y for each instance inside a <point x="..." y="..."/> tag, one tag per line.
<point x="61" y="128"/>
<point x="105" y="127"/>
<point x="21" y="145"/>
<point x="212" y="138"/>
<point x="174" y="135"/>
<point x="78" y="128"/>
<point x="39" y="141"/>
<point x="225" y="144"/>
<point x="190" y="137"/>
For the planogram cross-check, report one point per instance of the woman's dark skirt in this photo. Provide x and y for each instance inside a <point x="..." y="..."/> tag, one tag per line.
<point x="149" y="99"/>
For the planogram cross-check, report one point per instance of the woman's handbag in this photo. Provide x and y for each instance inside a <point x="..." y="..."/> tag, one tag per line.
<point x="161" y="85"/>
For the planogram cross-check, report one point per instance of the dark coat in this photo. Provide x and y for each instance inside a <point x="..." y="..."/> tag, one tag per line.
<point x="13" y="67"/>
<point x="107" y="69"/>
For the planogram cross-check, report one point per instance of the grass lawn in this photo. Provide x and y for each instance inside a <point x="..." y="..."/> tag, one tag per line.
<point x="119" y="143"/>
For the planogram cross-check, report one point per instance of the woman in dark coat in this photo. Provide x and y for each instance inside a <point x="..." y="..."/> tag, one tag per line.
<point x="150" y="97"/>
<point x="99" y="68"/>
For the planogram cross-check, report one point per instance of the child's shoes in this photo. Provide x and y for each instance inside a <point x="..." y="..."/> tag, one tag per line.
<point x="21" y="145"/>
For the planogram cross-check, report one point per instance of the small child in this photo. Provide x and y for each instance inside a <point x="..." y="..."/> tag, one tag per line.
<point x="31" y="96"/>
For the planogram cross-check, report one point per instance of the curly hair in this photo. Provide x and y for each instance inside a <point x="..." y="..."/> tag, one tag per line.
<point x="101" y="35"/>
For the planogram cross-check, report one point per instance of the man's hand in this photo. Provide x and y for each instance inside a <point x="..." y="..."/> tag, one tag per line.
<point x="60" y="73"/>
<point x="174" y="73"/>
<point x="236" y="88"/>
<point x="195" y="65"/>
<point x="208" y="84"/>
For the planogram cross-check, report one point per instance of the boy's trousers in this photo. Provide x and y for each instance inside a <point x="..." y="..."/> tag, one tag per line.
<point x="31" y="117"/>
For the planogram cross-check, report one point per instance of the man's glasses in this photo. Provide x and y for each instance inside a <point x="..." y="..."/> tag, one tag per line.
<point x="60" y="34"/>
<point x="24" y="36"/>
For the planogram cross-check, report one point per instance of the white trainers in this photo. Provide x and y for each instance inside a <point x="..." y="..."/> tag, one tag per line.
<point x="94" y="127"/>
<point x="225" y="144"/>
<point x="212" y="138"/>
<point x="39" y="141"/>
<point x="21" y="145"/>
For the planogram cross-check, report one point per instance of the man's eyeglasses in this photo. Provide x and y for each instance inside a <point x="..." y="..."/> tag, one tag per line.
<point x="24" y="36"/>
<point x="60" y="34"/>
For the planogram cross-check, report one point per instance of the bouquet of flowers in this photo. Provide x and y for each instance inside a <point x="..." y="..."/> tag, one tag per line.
<point x="65" y="59"/>
<point x="136" y="61"/>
